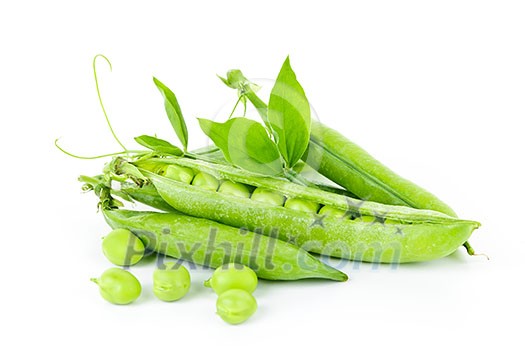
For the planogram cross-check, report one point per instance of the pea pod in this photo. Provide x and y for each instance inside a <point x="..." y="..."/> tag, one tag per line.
<point x="350" y="166"/>
<point x="208" y="243"/>
<point x="391" y="233"/>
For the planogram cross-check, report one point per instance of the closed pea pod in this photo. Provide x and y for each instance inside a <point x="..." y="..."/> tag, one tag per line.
<point x="209" y="243"/>
<point x="348" y="165"/>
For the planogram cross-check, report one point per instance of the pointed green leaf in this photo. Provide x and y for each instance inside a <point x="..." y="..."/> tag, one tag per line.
<point x="174" y="113"/>
<point x="289" y="115"/>
<point x="158" y="145"/>
<point x="245" y="143"/>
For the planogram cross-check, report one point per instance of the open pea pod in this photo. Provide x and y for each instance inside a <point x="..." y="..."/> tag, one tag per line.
<point x="365" y="231"/>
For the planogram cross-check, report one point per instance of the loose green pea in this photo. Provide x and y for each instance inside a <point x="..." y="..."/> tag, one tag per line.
<point x="267" y="196"/>
<point x="236" y="306"/>
<point x="171" y="282"/>
<point x="235" y="189"/>
<point x="122" y="247"/>
<point x="302" y="205"/>
<point x="232" y="276"/>
<point x="179" y="173"/>
<point x="206" y="181"/>
<point x="331" y="211"/>
<point x="118" y="286"/>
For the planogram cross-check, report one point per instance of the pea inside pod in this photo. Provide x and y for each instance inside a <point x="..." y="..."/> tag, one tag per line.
<point x="332" y="211"/>
<point x="179" y="173"/>
<point x="301" y="205"/>
<point x="268" y="196"/>
<point x="206" y="181"/>
<point x="235" y="189"/>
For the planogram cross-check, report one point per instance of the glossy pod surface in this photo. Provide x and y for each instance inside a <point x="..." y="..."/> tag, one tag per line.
<point x="209" y="243"/>
<point x="389" y="233"/>
<point x="350" y="166"/>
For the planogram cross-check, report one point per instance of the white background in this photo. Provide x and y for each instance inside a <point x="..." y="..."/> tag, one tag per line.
<point x="434" y="89"/>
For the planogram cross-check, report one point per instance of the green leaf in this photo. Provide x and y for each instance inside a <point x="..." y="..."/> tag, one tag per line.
<point x="245" y="143"/>
<point x="289" y="115"/>
<point x="174" y="113"/>
<point x="158" y="145"/>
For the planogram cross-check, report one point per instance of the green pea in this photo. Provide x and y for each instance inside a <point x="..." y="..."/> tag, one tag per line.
<point x="122" y="247"/>
<point x="232" y="276"/>
<point x="118" y="286"/>
<point x="206" y="181"/>
<point x="267" y="196"/>
<point x="235" y="189"/>
<point x="171" y="282"/>
<point x="302" y="205"/>
<point x="332" y="211"/>
<point x="374" y="219"/>
<point x="236" y="306"/>
<point x="179" y="173"/>
<point x="365" y="218"/>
